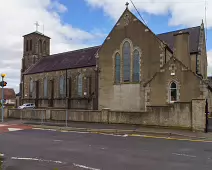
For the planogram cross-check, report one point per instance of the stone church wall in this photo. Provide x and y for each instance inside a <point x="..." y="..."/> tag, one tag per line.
<point x="190" y="115"/>
<point x="71" y="98"/>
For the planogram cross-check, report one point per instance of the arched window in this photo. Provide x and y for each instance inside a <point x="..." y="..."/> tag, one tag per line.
<point x="136" y="66"/>
<point x="173" y="92"/>
<point x="79" y="89"/>
<point x="44" y="46"/>
<point x="117" y="68"/>
<point x="31" y="86"/>
<point x="30" y="45"/>
<point x="45" y="87"/>
<point x="40" y="46"/>
<point x="62" y="86"/>
<point x="27" y="45"/>
<point x="126" y="61"/>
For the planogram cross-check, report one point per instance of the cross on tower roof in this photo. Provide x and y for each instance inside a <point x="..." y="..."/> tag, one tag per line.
<point x="37" y="25"/>
<point x="127" y="4"/>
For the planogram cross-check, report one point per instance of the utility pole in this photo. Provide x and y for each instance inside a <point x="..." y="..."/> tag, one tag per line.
<point x="2" y="96"/>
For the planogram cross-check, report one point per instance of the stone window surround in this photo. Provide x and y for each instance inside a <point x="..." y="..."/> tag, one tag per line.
<point x="169" y="91"/>
<point x="120" y="51"/>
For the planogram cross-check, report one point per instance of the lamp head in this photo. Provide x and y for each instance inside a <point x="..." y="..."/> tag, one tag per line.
<point x="3" y="75"/>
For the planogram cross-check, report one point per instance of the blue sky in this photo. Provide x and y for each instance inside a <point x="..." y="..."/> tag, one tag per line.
<point x="80" y="14"/>
<point x="74" y="24"/>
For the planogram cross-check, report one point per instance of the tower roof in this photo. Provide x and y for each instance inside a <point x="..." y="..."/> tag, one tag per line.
<point x="38" y="33"/>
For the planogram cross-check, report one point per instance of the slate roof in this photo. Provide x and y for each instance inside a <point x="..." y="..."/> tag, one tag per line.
<point x="194" y="38"/>
<point x="86" y="57"/>
<point x="8" y="93"/>
<point x="36" y="32"/>
<point x="72" y="59"/>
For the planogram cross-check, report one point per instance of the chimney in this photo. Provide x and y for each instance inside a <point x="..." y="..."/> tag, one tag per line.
<point x="181" y="48"/>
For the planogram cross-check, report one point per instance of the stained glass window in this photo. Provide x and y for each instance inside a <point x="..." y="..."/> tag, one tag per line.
<point x="126" y="62"/>
<point x="117" y="68"/>
<point x="136" y="66"/>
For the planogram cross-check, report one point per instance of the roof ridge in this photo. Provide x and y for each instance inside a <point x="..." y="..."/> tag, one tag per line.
<point x="178" y="30"/>
<point x="87" y="48"/>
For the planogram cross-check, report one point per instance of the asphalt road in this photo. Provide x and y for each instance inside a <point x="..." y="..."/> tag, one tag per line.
<point x="48" y="150"/>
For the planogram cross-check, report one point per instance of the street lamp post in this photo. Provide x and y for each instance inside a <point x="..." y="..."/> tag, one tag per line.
<point x="2" y="97"/>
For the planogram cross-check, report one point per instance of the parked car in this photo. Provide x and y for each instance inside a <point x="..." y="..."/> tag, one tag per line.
<point x="27" y="106"/>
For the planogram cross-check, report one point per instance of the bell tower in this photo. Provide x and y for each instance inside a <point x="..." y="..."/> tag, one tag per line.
<point x="35" y="46"/>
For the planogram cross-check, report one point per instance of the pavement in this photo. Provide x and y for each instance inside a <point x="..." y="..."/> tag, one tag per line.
<point x="54" y="150"/>
<point x="130" y="130"/>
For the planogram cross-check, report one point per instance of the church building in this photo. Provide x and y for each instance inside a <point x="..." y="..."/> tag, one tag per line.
<point x="134" y="68"/>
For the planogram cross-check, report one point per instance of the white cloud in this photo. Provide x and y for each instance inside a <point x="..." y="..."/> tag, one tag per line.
<point x="188" y="13"/>
<point x="209" y="62"/>
<point x="182" y="12"/>
<point x="17" y="18"/>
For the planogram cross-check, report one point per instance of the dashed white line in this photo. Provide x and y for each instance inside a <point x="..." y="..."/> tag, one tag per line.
<point x="180" y="154"/>
<point x="57" y="140"/>
<point x="37" y="159"/>
<point x="85" y="167"/>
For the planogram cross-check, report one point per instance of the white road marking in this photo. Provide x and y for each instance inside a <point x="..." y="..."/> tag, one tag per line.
<point x="14" y="129"/>
<point x="36" y="159"/>
<point x="2" y="125"/>
<point x="57" y="140"/>
<point x="85" y="167"/>
<point x="1" y="154"/>
<point x="179" y="154"/>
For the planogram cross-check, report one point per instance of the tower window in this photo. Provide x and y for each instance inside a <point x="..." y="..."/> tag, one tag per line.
<point x="40" y="46"/>
<point x="44" y="46"/>
<point x="27" y="45"/>
<point x="30" y="45"/>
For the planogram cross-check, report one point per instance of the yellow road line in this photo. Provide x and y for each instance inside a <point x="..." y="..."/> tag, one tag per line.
<point x="137" y="135"/>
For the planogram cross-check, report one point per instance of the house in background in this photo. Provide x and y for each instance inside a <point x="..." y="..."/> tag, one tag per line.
<point x="9" y="96"/>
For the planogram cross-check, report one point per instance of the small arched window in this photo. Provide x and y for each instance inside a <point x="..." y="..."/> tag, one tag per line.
<point x="173" y="92"/>
<point x="40" y="46"/>
<point x="30" y="45"/>
<point x="44" y="46"/>
<point x="79" y="89"/>
<point x="136" y="66"/>
<point x="126" y="61"/>
<point x="45" y="84"/>
<point x="27" y="45"/>
<point x="62" y="86"/>
<point x="117" y="67"/>
<point x="31" y="86"/>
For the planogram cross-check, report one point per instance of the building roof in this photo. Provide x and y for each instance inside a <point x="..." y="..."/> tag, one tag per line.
<point x="36" y="32"/>
<point x="86" y="57"/>
<point x="72" y="59"/>
<point x="193" y="38"/>
<point x="8" y="93"/>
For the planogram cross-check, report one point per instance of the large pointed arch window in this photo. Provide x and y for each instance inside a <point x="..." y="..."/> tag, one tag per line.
<point x="173" y="92"/>
<point x="126" y="61"/>
<point x="79" y="85"/>
<point x="136" y="66"/>
<point x="117" y="67"/>
<point x="45" y="84"/>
